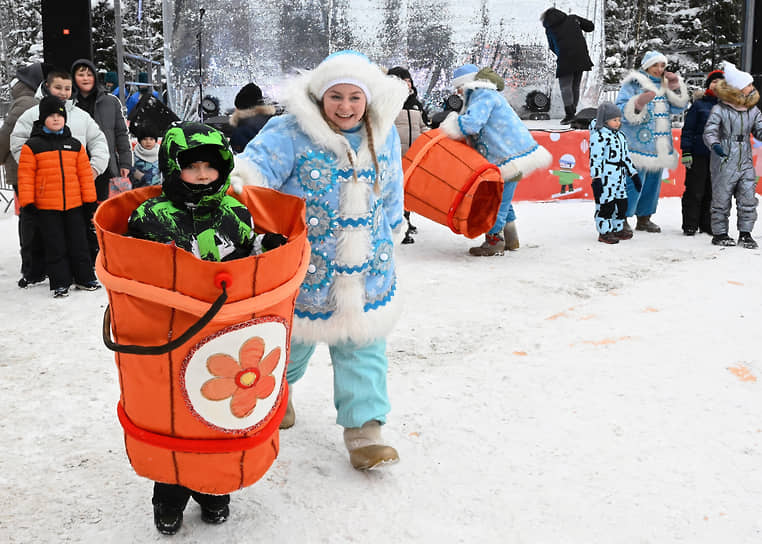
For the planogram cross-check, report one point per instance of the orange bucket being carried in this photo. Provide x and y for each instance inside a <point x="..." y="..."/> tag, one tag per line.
<point x="451" y="183"/>
<point x="201" y="347"/>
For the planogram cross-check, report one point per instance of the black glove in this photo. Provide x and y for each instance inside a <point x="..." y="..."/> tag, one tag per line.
<point x="717" y="148"/>
<point x="30" y="209"/>
<point x="637" y="182"/>
<point x="271" y="240"/>
<point x="597" y="187"/>
<point x="89" y="209"/>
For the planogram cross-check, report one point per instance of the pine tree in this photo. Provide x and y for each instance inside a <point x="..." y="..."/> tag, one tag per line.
<point x="104" y="47"/>
<point x="20" y="38"/>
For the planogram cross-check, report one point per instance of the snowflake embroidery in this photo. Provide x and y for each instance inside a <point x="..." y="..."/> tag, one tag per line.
<point x="319" y="272"/>
<point x="243" y="382"/>
<point x="382" y="258"/>
<point x="314" y="173"/>
<point x="321" y="221"/>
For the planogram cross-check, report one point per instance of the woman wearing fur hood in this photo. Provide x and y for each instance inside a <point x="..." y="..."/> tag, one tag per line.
<point x="648" y="98"/>
<point x="727" y="134"/>
<point x="488" y="124"/>
<point x="336" y="147"/>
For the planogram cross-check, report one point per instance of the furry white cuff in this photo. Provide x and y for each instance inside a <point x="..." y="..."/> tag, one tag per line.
<point x="245" y="173"/>
<point x="679" y="99"/>
<point x="631" y="115"/>
<point x="451" y="128"/>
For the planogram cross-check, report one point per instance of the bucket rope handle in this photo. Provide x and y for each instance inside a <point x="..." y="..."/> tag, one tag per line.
<point x="188" y="304"/>
<point x="462" y="193"/>
<point x="172" y="344"/>
<point x="420" y="155"/>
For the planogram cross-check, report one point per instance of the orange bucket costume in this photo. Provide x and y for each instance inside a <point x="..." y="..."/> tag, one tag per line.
<point x="201" y="346"/>
<point x="452" y="184"/>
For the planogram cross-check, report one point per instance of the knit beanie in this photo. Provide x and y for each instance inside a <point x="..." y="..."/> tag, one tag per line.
<point x="344" y="67"/>
<point x="717" y="74"/>
<point x="111" y="77"/>
<point x="400" y="72"/>
<point x="736" y="78"/>
<point x="651" y="58"/>
<point x="464" y="74"/>
<point x="30" y="75"/>
<point x="202" y="153"/>
<point x="249" y="96"/>
<point x="606" y="111"/>
<point x="50" y="105"/>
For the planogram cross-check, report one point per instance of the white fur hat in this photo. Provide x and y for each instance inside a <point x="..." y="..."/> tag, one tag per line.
<point x="736" y="78"/>
<point x="651" y="58"/>
<point x="348" y="67"/>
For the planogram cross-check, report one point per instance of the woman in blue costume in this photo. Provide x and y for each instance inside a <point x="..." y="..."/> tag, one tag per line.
<point x="337" y="148"/>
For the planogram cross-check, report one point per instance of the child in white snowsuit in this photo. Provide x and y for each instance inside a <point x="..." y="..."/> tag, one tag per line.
<point x="610" y="165"/>
<point x="727" y="135"/>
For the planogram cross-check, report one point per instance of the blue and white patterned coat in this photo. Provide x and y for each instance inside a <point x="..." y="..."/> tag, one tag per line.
<point x="649" y="132"/>
<point x="349" y="290"/>
<point x="610" y="162"/>
<point x="490" y="126"/>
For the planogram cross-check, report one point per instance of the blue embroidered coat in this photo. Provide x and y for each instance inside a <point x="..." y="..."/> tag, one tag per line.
<point x="349" y="290"/>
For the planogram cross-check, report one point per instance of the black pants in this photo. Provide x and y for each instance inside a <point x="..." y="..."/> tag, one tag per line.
<point x="177" y="496"/>
<point x="30" y="244"/>
<point x="65" y="241"/>
<point x="697" y="198"/>
<point x="569" y="84"/>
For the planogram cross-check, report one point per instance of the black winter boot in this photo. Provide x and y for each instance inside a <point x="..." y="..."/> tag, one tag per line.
<point x="167" y="518"/>
<point x="745" y="240"/>
<point x="570" y="114"/>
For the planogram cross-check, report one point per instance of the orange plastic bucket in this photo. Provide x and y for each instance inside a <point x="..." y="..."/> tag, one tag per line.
<point x="201" y="347"/>
<point x="452" y="184"/>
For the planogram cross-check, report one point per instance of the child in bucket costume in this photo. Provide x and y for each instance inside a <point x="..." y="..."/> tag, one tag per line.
<point x="726" y="133"/>
<point x="338" y="150"/>
<point x="648" y="98"/>
<point x="201" y="218"/>
<point x="489" y="124"/>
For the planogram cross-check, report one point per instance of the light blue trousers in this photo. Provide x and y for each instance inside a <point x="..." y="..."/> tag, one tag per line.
<point x="505" y="213"/>
<point x="359" y="379"/>
<point x="644" y="202"/>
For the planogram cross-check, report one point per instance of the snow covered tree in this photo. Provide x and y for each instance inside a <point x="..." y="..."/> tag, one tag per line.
<point x="20" y="38"/>
<point x="104" y="47"/>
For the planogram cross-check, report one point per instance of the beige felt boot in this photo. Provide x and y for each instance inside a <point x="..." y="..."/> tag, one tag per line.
<point x="289" y="418"/>
<point x="366" y="448"/>
<point x="511" y="236"/>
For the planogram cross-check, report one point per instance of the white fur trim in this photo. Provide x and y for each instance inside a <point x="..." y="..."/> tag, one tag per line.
<point x="631" y="115"/>
<point x="349" y="81"/>
<point x="681" y="98"/>
<point x="651" y="58"/>
<point x="463" y="80"/>
<point x="347" y="323"/>
<point x="451" y="128"/>
<point x="539" y="158"/>
<point x="245" y="173"/>
<point x="480" y="84"/>
<point x="653" y="164"/>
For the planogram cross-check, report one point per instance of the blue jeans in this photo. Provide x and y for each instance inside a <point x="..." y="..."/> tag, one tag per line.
<point x="359" y="379"/>
<point x="505" y="213"/>
<point x="644" y="203"/>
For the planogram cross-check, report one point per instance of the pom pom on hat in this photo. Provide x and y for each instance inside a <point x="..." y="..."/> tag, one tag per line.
<point x="344" y="67"/>
<point x="651" y="58"/>
<point x="50" y="105"/>
<point x="249" y="96"/>
<point x="736" y="78"/>
<point x="464" y="74"/>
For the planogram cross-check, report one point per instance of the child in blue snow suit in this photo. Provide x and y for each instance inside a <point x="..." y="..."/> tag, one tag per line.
<point x="648" y="98"/>
<point x="488" y="124"/>
<point x="337" y="148"/>
<point x="610" y="165"/>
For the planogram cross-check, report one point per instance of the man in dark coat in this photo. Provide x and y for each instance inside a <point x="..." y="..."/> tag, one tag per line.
<point x="250" y="115"/>
<point x="27" y="80"/>
<point x="566" y="40"/>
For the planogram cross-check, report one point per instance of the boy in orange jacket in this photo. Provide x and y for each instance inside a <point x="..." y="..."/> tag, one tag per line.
<point x="55" y="177"/>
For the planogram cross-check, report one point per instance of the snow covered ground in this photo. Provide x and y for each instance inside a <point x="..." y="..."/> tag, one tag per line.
<point x="569" y="392"/>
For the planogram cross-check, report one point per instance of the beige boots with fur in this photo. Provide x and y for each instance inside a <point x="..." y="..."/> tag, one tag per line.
<point x="366" y="448"/>
<point x="364" y="444"/>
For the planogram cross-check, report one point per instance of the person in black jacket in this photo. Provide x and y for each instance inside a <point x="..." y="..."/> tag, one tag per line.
<point x="697" y="198"/>
<point x="250" y="115"/>
<point x="566" y="40"/>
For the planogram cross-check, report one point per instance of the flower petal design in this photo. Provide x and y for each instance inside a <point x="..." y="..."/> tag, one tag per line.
<point x="269" y="363"/>
<point x="222" y="366"/>
<point x="219" y="388"/>
<point x="251" y="352"/>
<point x="264" y="387"/>
<point x="243" y="402"/>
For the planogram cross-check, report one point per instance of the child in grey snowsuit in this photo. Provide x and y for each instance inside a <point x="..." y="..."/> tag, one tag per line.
<point x="610" y="165"/>
<point x="727" y="135"/>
